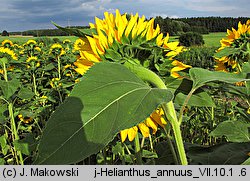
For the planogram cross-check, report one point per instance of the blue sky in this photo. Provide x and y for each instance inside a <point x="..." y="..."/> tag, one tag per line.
<point x="19" y="15"/>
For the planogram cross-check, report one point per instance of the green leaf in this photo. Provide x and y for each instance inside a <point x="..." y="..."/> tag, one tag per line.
<point x="235" y="131"/>
<point x="109" y="98"/>
<point x="2" y="161"/>
<point x="201" y="99"/>
<point x="226" y="52"/>
<point x="222" y="154"/>
<point x="201" y="76"/>
<point x="22" y="147"/>
<point x="10" y="87"/>
<point x="113" y="55"/>
<point x="3" y="108"/>
<point x="247" y="162"/>
<point x="149" y="154"/>
<point x="25" y="93"/>
<point x="77" y="32"/>
<point x="4" y="146"/>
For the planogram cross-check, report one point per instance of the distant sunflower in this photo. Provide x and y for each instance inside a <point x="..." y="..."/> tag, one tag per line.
<point x="7" y="43"/>
<point x="25" y="119"/>
<point x="66" y="41"/>
<point x="236" y="38"/>
<point x="57" y="49"/>
<point x="30" y="42"/>
<point x="233" y="35"/>
<point x="126" y="37"/>
<point x="6" y="52"/>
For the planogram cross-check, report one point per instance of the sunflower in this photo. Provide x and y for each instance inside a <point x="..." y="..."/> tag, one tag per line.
<point x="54" y="83"/>
<point x="79" y="45"/>
<point x="155" y="119"/>
<point x="57" y="49"/>
<point x="33" y="60"/>
<point x="116" y="32"/>
<point x="30" y="42"/>
<point x="233" y="35"/>
<point x="66" y="41"/>
<point x="7" y="52"/>
<point x="25" y="119"/>
<point x="235" y="39"/>
<point x="119" y="38"/>
<point x="7" y="43"/>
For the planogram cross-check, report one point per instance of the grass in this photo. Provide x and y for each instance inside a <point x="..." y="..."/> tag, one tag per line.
<point x="211" y="39"/>
<point x="23" y="39"/>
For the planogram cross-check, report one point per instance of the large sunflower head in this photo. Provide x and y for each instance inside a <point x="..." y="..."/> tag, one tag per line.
<point x="122" y="38"/>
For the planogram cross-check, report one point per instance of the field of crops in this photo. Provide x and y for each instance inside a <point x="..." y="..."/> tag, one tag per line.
<point x="125" y="95"/>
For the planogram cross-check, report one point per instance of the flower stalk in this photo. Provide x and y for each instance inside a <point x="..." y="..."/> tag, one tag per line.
<point x="168" y="108"/>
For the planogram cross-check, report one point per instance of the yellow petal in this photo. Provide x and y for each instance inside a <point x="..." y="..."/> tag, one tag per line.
<point x="150" y="123"/>
<point x="144" y="130"/>
<point x="131" y="24"/>
<point x="132" y="133"/>
<point x="90" y="57"/>
<point x="124" y="134"/>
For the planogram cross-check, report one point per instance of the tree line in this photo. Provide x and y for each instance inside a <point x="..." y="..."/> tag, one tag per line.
<point x="177" y="26"/>
<point x="201" y="25"/>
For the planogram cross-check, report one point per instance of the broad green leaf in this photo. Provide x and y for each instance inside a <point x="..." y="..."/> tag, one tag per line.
<point x="222" y="154"/>
<point x="22" y="147"/>
<point x="113" y="55"/>
<point x="226" y="52"/>
<point x="25" y="93"/>
<point x="4" y="146"/>
<point x="3" y="108"/>
<point x="247" y="162"/>
<point x="3" y="60"/>
<point x="235" y="131"/>
<point x="2" y="161"/>
<point x="246" y="69"/>
<point x="109" y="98"/>
<point x="149" y="154"/>
<point x="201" y="99"/>
<point x="77" y="32"/>
<point x="10" y="87"/>
<point x="201" y="76"/>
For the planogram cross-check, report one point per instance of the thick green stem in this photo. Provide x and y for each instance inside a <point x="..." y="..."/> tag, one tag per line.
<point x="5" y="72"/>
<point x="169" y="110"/>
<point x="59" y="67"/>
<point x="34" y="84"/>
<point x="14" y="131"/>
<point x="138" y="150"/>
<point x="171" y="146"/>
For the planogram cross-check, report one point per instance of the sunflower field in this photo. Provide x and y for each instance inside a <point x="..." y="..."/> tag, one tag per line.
<point x="119" y="95"/>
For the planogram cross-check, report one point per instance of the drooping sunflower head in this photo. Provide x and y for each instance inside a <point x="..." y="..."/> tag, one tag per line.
<point x="234" y="37"/>
<point x="234" y="50"/>
<point x="66" y="41"/>
<point x="7" y="43"/>
<point x="6" y="52"/>
<point x="30" y="43"/>
<point x="24" y="119"/>
<point x="57" y="50"/>
<point x="121" y="38"/>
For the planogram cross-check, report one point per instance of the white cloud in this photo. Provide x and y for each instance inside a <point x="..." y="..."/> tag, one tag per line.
<point x="30" y="14"/>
